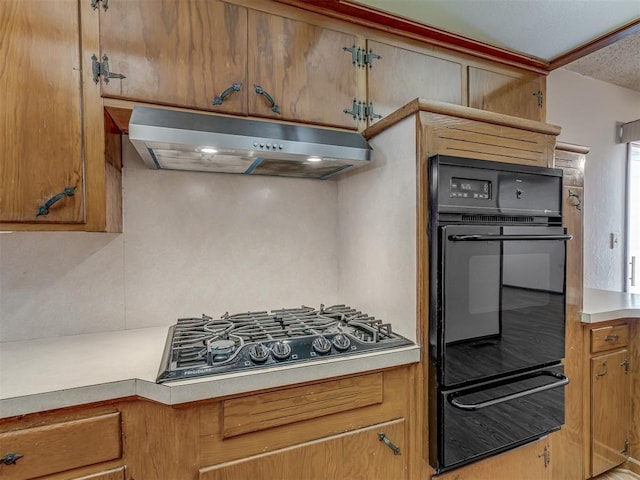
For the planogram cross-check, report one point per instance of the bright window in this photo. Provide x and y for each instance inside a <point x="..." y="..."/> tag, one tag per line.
<point x="633" y="219"/>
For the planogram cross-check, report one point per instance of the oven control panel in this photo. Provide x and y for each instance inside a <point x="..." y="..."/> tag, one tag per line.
<point x="469" y="188"/>
<point x="486" y="187"/>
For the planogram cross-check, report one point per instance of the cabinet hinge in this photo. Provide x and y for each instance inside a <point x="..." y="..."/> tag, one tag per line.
<point x="102" y="69"/>
<point x="625" y="450"/>
<point x="369" y="57"/>
<point x="362" y="111"/>
<point x="546" y="456"/>
<point x="105" y="4"/>
<point x="359" y="56"/>
<point x="356" y="55"/>
<point x="625" y="365"/>
<point x="540" y="97"/>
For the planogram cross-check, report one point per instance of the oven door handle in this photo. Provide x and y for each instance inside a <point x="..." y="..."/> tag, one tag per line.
<point x="562" y="380"/>
<point x="487" y="237"/>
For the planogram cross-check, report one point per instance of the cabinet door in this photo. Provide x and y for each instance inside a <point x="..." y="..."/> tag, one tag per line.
<point x="40" y="113"/>
<point x="518" y="94"/>
<point x="401" y="75"/>
<point x="610" y="410"/>
<point x="302" y="68"/>
<point x="530" y="462"/>
<point x="176" y="53"/>
<point x="359" y="455"/>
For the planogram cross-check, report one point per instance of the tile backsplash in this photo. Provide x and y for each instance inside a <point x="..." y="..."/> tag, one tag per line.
<point x="193" y="243"/>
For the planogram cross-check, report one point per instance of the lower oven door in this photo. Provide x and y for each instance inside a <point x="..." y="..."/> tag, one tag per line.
<point x="492" y="417"/>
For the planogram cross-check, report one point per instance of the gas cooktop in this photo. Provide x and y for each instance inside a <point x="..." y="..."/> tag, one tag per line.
<point x="204" y="346"/>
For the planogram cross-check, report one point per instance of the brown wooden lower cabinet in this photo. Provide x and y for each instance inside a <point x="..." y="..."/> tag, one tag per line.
<point x="61" y="446"/>
<point x="376" y="452"/>
<point x="533" y="461"/>
<point x="608" y="361"/>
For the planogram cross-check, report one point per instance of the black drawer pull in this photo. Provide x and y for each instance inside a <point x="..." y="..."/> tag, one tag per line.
<point x="10" y="458"/>
<point x="611" y="338"/>
<point x="383" y="438"/>
<point x="44" y="209"/>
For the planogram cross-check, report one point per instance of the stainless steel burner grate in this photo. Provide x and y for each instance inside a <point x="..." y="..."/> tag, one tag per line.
<point x="205" y="346"/>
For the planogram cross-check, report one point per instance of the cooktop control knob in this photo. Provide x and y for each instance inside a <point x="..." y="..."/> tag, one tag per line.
<point x="321" y="345"/>
<point x="281" y="350"/>
<point x="258" y="352"/>
<point x="341" y="342"/>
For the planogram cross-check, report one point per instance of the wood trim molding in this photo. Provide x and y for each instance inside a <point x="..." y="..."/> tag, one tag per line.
<point x="370" y="17"/>
<point x="421" y="104"/>
<point x="570" y="147"/>
<point x="353" y="12"/>
<point x="597" y="44"/>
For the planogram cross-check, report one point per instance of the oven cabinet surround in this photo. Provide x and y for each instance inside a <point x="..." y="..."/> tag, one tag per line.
<point x="410" y="135"/>
<point x="608" y="366"/>
<point x="568" y="442"/>
<point x="74" y="444"/>
<point x="54" y="173"/>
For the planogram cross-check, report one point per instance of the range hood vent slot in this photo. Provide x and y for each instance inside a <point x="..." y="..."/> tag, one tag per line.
<point x="179" y="140"/>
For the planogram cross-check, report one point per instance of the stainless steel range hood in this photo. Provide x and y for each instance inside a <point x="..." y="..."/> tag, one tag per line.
<point x="179" y="140"/>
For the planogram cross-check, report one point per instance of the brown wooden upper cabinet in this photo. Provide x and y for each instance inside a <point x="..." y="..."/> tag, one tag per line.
<point x="212" y="55"/>
<point x="401" y="75"/>
<point x="519" y="94"/>
<point x="40" y="120"/>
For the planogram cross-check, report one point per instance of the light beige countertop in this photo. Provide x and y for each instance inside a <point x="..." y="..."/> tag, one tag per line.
<point x="56" y="372"/>
<point x="603" y="305"/>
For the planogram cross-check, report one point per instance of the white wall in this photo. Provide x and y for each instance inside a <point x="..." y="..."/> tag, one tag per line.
<point x="587" y="110"/>
<point x="194" y="243"/>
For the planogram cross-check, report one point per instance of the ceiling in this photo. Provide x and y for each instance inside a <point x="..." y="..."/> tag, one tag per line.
<point x="554" y="32"/>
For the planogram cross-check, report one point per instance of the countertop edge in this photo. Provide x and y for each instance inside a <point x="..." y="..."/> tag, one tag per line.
<point x="208" y="387"/>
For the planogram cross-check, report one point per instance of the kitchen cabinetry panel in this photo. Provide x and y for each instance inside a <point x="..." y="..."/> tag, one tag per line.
<point x="400" y="75"/>
<point x="303" y="68"/>
<point x="609" y="338"/>
<point x="300" y="403"/>
<point x="518" y="94"/>
<point x="533" y="461"/>
<point x="182" y="54"/>
<point x="58" y="447"/>
<point x="463" y="137"/>
<point x="40" y="118"/>
<point x="362" y="454"/>
<point x="610" y="410"/>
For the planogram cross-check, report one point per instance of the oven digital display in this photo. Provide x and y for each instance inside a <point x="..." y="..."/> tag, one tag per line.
<point x="468" y="188"/>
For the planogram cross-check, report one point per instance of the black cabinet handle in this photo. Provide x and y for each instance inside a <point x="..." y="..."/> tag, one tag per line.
<point x="233" y="88"/>
<point x="44" y="209"/>
<point x="383" y="438"/>
<point x="260" y="91"/>
<point x="10" y="458"/>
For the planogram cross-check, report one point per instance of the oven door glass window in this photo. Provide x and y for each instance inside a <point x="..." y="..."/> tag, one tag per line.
<point x="502" y="300"/>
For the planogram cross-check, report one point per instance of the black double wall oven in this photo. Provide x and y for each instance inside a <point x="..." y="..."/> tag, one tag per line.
<point x="497" y="266"/>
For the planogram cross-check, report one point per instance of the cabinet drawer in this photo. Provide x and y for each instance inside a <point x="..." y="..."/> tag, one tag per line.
<point x="58" y="447"/>
<point x="608" y="338"/>
<point x="267" y="410"/>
